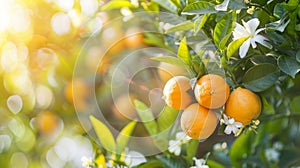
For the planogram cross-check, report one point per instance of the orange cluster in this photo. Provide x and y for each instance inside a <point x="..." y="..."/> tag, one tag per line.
<point x="211" y="92"/>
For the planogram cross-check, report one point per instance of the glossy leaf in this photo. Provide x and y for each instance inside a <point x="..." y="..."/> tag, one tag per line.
<point x="279" y="25"/>
<point x="240" y="148"/>
<point x="104" y="135"/>
<point x="184" y="26"/>
<point x="170" y="59"/>
<point x="261" y="59"/>
<point x="150" y="164"/>
<point x="172" y="162"/>
<point x="214" y="164"/>
<point x="234" y="46"/>
<point x="183" y="52"/>
<point x="298" y="56"/>
<point x="289" y="65"/>
<point x="146" y="116"/>
<point x="124" y="136"/>
<point x="167" y="4"/>
<point x="200" y="7"/>
<point x="199" y="22"/>
<point x="167" y="118"/>
<point x="223" y="29"/>
<point x="191" y="150"/>
<point x="261" y="77"/>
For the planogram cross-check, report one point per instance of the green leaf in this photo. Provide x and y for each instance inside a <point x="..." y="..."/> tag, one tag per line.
<point x="291" y="5"/>
<point x="279" y="25"/>
<point x="241" y="148"/>
<point x="187" y="25"/>
<point x="183" y="52"/>
<point x="171" y="60"/>
<point x="104" y="135"/>
<point x="234" y="46"/>
<point x="146" y="116"/>
<point x="116" y="4"/>
<point x="167" y="4"/>
<point x="167" y="118"/>
<point x="200" y="7"/>
<point x="150" y="164"/>
<point x="298" y="55"/>
<point x="223" y="29"/>
<point x="288" y="65"/>
<point x="288" y="157"/>
<point x="150" y="6"/>
<point x="267" y="107"/>
<point x="260" y="77"/>
<point x="172" y="162"/>
<point x="295" y="105"/>
<point x="124" y="136"/>
<point x="260" y="59"/>
<point x="214" y="164"/>
<point x="279" y="10"/>
<point x="191" y="150"/>
<point x="200" y="22"/>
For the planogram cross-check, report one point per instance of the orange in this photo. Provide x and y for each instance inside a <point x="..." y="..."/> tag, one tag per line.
<point x="243" y="105"/>
<point x="198" y="122"/>
<point x="166" y="71"/>
<point x="211" y="91"/>
<point x="134" y="38"/>
<point x="175" y="92"/>
<point x="81" y="94"/>
<point x="47" y="122"/>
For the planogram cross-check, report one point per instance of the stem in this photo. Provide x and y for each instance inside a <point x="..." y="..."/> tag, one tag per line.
<point x="280" y="116"/>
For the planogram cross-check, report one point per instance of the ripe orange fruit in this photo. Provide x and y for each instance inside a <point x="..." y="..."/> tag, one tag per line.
<point x="134" y="39"/>
<point x="211" y="91"/>
<point x="175" y="92"/>
<point x="198" y="122"/>
<point x="243" y="105"/>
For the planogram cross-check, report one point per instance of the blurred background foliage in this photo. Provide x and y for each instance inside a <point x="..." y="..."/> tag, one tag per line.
<point x="42" y="125"/>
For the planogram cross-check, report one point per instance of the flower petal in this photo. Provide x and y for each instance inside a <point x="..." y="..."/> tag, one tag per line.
<point x="239" y="32"/>
<point x="238" y="124"/>
<point x="259" y="30"/>
<point x="262" y="40"/>
<point x="244" y="48"/>
<point x="228" y="129"/>
<point x="251" y="25"/>
<point x="231" y="121"/>
<point x="253" y="44"/>
<point x="180" y="135"/>
<point x="177" y="150"/>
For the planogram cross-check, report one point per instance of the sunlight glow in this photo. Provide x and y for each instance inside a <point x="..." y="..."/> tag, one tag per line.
<point x="61" y="23"/>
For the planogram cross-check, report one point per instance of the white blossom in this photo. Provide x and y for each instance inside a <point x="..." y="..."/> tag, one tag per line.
<point x="87" y="162"/>
<point x="278" y="146"/>
<point x="249" y="30"/>
<point x="175" y="145"/>
<point x="231" y="125"/>
<point x="272" y="154"/>
<point x="199" y="163"/>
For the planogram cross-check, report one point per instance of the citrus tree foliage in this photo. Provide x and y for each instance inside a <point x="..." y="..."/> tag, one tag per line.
<point x="252" y="44"/>
<point x="256" y="43"/>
